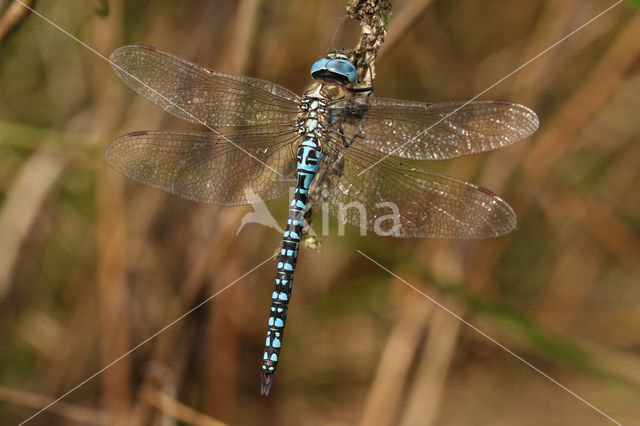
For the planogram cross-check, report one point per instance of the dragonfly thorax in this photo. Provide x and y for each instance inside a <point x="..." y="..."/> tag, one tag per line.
<point x="315" y="104"/>
<point x="324" y="91"/>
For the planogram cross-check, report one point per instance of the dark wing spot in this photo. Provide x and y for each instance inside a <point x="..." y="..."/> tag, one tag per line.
<point x="487" y="191"/>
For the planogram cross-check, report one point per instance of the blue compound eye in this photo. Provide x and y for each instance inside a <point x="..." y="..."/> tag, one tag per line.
<point x="334" y="68"/>
<point x="319" y="66"/>
<point x="343" y="68"/>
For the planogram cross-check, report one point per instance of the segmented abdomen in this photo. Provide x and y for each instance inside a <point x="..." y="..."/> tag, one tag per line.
<point x="309" y="156"/>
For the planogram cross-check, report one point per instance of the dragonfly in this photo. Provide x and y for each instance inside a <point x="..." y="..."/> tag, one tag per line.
<point x="341" y="146"/>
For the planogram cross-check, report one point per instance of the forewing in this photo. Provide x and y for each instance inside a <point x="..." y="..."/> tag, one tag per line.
<point x="435" y="131"/>
<point x="206" y="167"/>
<point x="199" y="95"/>
<point x="424" y="204"/>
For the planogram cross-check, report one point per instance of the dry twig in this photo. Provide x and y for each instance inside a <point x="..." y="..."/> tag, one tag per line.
<point x="374" y="17"/>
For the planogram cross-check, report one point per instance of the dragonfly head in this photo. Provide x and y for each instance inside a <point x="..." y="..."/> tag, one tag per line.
<point x="335" y="66"/>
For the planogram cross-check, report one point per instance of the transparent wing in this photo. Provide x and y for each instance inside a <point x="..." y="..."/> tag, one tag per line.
<point x="206" y="167"/>
<point x="199" y="95"/>
<point x="403" y="201"/>
<point x="434" y="131"/>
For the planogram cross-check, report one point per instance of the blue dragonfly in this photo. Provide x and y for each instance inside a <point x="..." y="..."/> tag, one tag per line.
<point x="341" y="146"/>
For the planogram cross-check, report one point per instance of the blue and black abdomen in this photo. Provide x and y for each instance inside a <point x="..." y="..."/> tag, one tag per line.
<point x="309" y="158"/>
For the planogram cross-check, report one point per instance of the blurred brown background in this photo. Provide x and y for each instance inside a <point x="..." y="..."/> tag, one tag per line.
<point x="92" y="264"/>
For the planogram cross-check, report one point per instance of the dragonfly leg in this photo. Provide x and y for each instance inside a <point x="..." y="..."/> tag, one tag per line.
<point x="344" y="139"/>
<point x="361" y="89"/>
